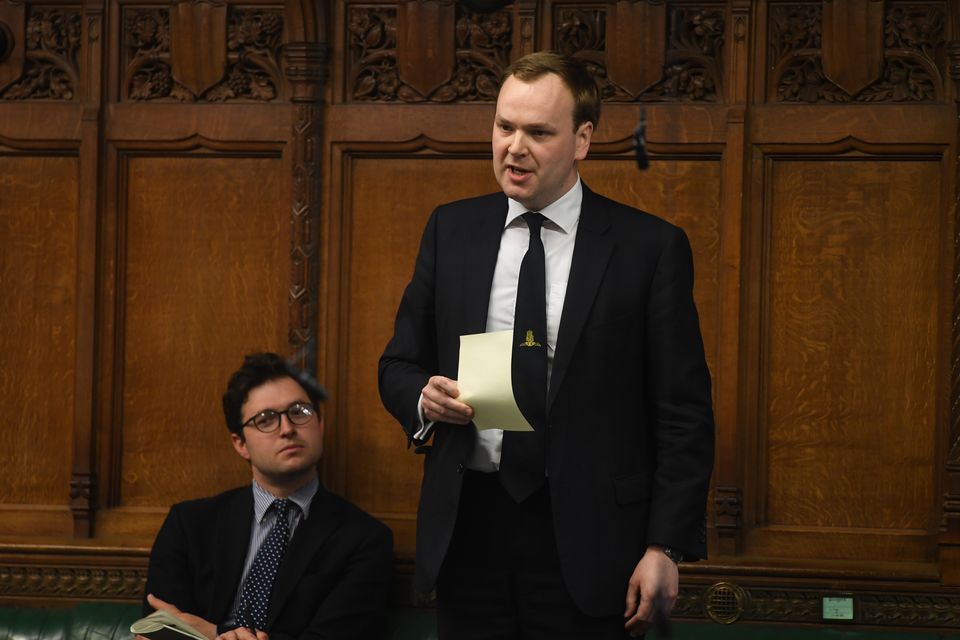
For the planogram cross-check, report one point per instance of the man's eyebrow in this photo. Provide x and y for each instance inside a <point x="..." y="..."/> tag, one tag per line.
<point x="544" y="126"/>
<point x="292" y="402"/>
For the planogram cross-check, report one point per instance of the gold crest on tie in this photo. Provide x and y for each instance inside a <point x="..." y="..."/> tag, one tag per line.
<point x="529" y="341"/>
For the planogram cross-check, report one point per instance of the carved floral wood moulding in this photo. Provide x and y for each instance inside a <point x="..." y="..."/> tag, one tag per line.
<point x="73" y="581"/>
<point x="914" y="39"/>
<point x="722" y="602"/>
<point x="48" y="65"/>
<point x="688" y="65"/>
<point x="156" y="45"/>
<point x="692" y="64"/>
<point x="482" y="51"/>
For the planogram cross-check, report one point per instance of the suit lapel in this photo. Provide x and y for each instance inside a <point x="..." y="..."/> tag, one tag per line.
<point x="307" y="539"/>
<point x="591" y="253"/>
<point x="479" y="249"/>
<point x="233" y="526"/>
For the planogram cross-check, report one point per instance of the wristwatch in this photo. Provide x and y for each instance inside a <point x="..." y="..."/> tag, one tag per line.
<point x="673" y="554"/>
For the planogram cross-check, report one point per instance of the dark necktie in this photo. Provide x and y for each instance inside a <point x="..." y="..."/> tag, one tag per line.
<point x="255" y="598"/>
<point x="523" y="456"/>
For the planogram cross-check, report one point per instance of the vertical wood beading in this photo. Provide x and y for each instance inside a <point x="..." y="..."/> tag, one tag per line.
<point x="83" y="488"/>
<point x="728" y="494"/>
<point x="305" y="67"/>
<point x="950" y="530"/>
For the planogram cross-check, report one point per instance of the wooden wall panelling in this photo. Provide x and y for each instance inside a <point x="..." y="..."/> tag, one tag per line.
<point x="38" y="223"/>
<point x="847" y="388"/>
<point x="197" y="257"/>
<point x="378" y="244"/>
<point x="208" y="239"/>
<point x="728" y="479"/>
<point x="888" y="157"/>
<point x="83" y="480"/>
<point x="45" y="211"/>
<point x="950" y="527"/>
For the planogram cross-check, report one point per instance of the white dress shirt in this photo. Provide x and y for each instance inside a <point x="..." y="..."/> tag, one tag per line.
<point x="559" y="234"/>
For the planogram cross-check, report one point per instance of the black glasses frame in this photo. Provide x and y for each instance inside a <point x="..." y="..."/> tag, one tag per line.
<point x="273" y="417"/>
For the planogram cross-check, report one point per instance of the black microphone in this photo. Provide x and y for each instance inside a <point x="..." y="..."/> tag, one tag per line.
<point x="640" y="141"/>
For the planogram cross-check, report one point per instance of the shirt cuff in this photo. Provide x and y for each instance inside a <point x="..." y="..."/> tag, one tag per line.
<point x="426" y="427"/>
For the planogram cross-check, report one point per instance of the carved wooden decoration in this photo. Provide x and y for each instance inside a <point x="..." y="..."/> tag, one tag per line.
<point x="636" y="44"/>
<point x="253" y="39"/>
<point x="728" y="512"/>
<point x="852" y="42"/>
<point x="305" y="69"/>
<point x="689" y="70"/>
<point x="74" y="582"/>
<point x="425" y="44"/>
<point x="913" y="36"/>
<point x="483" y="44"/>
<point x="48" y="56"/>
<point x="198" y="44"/>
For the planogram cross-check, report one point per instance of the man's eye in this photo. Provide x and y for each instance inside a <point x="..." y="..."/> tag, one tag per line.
<point x="301" y="410"/>
<point x="264" y="418"/>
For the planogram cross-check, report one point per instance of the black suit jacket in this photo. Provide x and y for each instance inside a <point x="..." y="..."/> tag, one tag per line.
<point x="332" y="583"/>
<point x="630" y="424"/>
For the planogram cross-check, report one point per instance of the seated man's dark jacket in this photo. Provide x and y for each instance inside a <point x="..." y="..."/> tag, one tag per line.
<point x="332" y="583"/>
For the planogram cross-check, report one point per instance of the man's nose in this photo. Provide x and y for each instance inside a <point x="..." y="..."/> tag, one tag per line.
<point x="286" y="427"/>
<point x="518" y="144"/>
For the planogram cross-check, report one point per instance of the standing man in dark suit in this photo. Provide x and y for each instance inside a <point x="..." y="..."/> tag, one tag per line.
<point x="283" y="558"/>
<point x="573" y="530"/>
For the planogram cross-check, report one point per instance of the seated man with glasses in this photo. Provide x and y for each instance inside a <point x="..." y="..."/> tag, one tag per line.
<point x="283" y="558"/>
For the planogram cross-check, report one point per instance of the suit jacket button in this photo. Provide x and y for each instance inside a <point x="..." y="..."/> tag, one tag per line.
<point x="459" y="468"/>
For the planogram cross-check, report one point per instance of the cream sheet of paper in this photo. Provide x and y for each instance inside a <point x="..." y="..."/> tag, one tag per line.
<point x="485" y="382"/>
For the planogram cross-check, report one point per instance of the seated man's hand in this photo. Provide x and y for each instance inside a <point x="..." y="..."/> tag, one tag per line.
<point x="242" y="633"/>
<point x="206" y="628"/>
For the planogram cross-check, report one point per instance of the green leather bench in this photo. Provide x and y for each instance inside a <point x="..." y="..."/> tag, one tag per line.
<point x="111" y="621"/>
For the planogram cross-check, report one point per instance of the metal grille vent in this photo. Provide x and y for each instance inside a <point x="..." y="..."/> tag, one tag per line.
<point x="724" y="602"/>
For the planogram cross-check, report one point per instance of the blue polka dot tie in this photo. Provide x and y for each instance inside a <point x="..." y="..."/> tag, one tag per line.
<point x="255" y="598"/>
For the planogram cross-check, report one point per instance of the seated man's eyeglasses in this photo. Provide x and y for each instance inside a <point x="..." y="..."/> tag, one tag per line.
<point x="268" y="421"/>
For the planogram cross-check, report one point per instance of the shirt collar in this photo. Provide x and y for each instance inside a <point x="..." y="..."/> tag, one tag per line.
<point x="302" y="497"/>
<point x="564" y="212"/>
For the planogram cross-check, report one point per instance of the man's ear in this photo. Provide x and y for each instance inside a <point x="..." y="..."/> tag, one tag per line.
<point x="240" y="445"/>
<point x="583" y="135"/>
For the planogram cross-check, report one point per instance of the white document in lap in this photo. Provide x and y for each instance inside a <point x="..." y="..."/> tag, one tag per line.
<point x="485" y="382"/>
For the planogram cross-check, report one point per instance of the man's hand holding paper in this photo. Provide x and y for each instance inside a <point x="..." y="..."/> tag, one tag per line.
<point x="440" y="403"/>
<point x="485" y="381"/>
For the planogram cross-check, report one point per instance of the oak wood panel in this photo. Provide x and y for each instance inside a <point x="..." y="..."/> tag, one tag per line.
<point x="472" y="123"/>
<point x="38" y="261"/>
<point x="891" y="124"/>
<point x="382" y="229"/>
<point x="204" y="266"/>
<point x="43" y="124"/>
<point x="250" y="123"/>
<point x="849" y="439"/>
